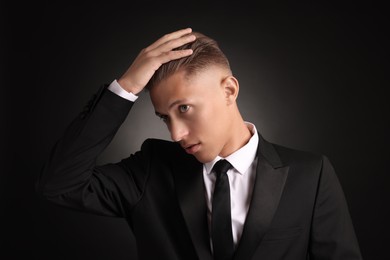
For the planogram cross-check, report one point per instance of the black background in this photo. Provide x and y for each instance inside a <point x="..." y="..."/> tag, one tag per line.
<point x="313" y="76"/>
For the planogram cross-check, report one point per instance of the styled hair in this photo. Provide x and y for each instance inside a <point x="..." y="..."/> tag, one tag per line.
<point x="206" y="52"/>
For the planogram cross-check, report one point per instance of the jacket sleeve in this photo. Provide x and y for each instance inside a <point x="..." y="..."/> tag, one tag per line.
<point x="70" y="176"/>
<point x="332" y="233"/>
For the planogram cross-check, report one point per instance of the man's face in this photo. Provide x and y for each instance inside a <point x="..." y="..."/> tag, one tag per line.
<point x="196" y="111"/>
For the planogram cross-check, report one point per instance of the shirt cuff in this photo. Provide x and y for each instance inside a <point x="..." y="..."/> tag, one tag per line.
<point x="117" y="89"/>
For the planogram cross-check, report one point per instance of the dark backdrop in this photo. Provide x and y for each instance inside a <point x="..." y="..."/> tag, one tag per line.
<point x="312" y="77"/>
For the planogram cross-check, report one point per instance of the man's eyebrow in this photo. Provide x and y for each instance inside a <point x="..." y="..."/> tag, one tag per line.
<point x="177" y="102"/>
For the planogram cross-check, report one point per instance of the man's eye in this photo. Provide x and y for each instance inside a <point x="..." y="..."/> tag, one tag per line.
<point x="184" y="108"/>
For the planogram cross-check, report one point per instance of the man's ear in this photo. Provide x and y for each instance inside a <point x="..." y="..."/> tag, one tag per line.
<point x="231" y="88"/>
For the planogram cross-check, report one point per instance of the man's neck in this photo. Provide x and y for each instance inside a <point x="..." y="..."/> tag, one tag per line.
<point x="240" y="137"/>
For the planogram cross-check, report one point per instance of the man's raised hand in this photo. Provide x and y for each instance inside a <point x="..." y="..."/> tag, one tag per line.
<point x="152" y="57"/>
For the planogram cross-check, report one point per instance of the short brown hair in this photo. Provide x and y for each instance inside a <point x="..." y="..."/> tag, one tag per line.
<point x="206" y="52"/>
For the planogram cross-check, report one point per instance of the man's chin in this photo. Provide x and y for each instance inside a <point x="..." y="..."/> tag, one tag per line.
<point x="203" y="158"/>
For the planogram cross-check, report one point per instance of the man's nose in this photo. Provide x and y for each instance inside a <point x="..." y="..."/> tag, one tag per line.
<point x="178" y="131"/>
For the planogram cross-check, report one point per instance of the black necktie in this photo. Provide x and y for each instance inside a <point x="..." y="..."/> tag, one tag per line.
<point x="221" y="223"/>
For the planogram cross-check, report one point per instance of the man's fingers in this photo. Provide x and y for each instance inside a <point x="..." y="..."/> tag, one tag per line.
<point x="165" y="51"/>
<point x="172" y="44"/>
<point x="167" y="47"/>
<point x="174" y="55"/>
<point x="169" y="37"/>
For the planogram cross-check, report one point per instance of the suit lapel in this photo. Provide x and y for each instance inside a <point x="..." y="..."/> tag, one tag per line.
<point x="191" y="195"/>
<point x="270" y="179"/>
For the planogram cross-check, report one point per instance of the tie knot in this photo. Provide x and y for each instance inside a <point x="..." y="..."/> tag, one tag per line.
<point x="222" y="166"/>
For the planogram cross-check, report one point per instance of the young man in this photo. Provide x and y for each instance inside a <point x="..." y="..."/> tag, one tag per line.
<point x="272" y="203"/>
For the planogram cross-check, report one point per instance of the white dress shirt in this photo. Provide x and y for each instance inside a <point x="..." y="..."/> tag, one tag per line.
<point x="117" y="89"/>
<point x="241" y="181"/>
<point x="241" y="176"/>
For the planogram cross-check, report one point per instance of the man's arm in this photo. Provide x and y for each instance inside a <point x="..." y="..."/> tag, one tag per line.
<point x="70" y="177"/>
<point x="73" y="157"/>
<point x="332" y="235"/>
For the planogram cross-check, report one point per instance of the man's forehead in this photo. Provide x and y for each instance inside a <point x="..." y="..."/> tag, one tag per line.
<point x="182" y="83"/>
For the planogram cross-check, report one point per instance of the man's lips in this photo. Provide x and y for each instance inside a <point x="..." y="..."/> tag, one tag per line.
<point x="192" y="148"/>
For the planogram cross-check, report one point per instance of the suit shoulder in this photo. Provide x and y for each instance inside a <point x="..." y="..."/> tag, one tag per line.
<point x="291" y="155"/>
<point x="306" y="164"/>
<point x="166" y="151"/>
<point x="155" y="143"/>
<point x="162" y="147"/>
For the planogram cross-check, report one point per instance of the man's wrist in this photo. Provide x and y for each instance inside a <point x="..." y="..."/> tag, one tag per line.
<point x="116" y="88"/>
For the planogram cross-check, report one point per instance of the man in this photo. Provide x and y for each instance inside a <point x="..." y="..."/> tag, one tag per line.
<point x="272" y="203"/>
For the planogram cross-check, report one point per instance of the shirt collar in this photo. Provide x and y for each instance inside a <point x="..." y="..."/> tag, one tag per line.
<point x="243" y="157"/>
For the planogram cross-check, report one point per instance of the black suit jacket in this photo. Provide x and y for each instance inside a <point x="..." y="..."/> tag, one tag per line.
<point x="297" y="211"/>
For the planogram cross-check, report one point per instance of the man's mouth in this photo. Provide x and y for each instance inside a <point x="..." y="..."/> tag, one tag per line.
<point x="193" y="148"/>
